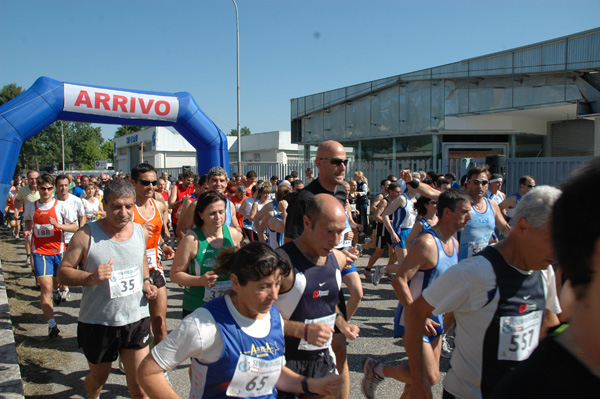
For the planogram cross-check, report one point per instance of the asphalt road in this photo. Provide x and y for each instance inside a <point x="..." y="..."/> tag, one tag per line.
<point x="374" y="317"/>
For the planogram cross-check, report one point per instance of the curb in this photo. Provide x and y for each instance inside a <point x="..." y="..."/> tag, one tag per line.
<point x="11" y="385"/>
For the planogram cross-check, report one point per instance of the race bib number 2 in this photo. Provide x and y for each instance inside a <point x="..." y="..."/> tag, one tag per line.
<point x="124" y="282"/>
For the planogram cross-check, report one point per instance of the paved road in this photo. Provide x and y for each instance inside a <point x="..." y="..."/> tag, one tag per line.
<point x="374" y="317"/>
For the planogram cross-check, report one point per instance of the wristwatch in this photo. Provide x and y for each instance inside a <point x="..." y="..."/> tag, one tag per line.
<point x="149" y="279"/>
<point x="305" y="386"/>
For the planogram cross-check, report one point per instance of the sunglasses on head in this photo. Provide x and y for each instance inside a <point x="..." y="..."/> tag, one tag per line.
<point x="482" y="182"/>
<point x="337" y="161"/>
<point x="148" y="182"/>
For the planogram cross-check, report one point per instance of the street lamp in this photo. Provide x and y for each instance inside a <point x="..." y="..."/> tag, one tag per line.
<point x="239" y="135"/>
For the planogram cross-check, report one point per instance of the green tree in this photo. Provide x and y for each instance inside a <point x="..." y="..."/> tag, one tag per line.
<point x="107" y="150"/>
<point x="245" y="131"/>
<point x="125" y="130"/>
<point x="9" y="92"/>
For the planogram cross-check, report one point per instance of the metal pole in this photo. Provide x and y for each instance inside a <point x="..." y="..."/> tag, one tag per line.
<point x="239" y="134"/>
<point x="62" y="133"/>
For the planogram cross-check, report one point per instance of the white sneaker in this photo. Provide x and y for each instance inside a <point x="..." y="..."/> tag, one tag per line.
<point x="446" y="348"/>
<point x="376" y="277"/>
<point x="370" y="378"/>
<point x="65" y="295"/>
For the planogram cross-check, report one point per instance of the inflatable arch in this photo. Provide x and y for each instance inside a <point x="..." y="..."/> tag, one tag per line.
<point x="49" y="100"/>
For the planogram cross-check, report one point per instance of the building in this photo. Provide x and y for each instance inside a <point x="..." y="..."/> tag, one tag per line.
<point x="538" y="100"/>
<point x="167" y="149"/>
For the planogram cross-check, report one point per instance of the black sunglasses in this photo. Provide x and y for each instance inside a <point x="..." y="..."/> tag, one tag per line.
<point x="337" y="161"/>
<point x="477" y="182"/>
<point x="530" y="185"/>
<point x="148" y="182"/>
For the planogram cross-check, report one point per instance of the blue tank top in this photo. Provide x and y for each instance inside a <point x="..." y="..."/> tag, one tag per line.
<point x="275" y="239"/>
<point x="511" y="211"/>
<point x="402" y="216"/>
<point x="476" y="235"/>
<point x="236" y="342"/>
<point x="423" y="279"/>
<point x="313" y="295"/>
<point x="228" y="213"/>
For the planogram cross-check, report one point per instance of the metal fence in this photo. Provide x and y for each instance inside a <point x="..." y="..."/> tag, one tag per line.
<point x="550" y="171"/>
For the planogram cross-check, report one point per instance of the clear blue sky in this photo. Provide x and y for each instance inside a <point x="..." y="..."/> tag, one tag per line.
<point x="288" y="48"/>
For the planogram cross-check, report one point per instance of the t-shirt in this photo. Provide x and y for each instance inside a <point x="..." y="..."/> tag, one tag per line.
<point x="26" y="196"/>
<point x="467" y="289"/>
<point x="78" y="212"/>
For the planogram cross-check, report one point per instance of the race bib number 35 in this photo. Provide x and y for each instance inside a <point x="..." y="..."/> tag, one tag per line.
<point x="519" y="335"/>
<point x="254" y="377"/>
<point x="125" y="282"/>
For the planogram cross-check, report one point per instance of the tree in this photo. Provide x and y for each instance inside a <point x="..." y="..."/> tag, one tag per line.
<point x="243" y="131"/>
<point x="9" y="92"/>
<point x="125" y="130"/>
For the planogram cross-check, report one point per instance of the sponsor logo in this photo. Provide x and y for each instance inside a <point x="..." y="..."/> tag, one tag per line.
<point x="526" y="297"/>
<point x="524" y="308"/>
<point x="262" y="350"/>
<point x="320" y="293"/>
<point x="146" y="338"/>
<point x="322" y="284"/>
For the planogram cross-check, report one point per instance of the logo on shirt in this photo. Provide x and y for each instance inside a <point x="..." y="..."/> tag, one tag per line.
<point x="322" y="284"/>
<point x="524" y="308"/>
<point x="262" y="350"/>
<point x="320" y="293"/>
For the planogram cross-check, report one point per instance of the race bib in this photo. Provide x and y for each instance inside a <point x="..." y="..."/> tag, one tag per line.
<point x="44" y="230"/>
<point x="220" y="289"/>
<point x="254" y="377"/>
<point x="125" y="282"/>
<point x="476" y="247"/>
<point x="151" y="256"/>
<point x="329" y="320"/>
<point x="519" y="335"/>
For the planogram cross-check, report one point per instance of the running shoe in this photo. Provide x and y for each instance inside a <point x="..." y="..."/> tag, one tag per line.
<point x="376" y="277"/>
<point x="65" y="295"/>
<point x="56" y="297"/>
<point x="367" y="273"/>
<point x="368" y="240"/>
<point x="446" y="348"/>
<point x="53" y="332"/>
<point x="370" y="378"/>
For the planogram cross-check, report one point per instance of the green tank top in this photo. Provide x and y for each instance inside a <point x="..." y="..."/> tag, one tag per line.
<point x="205" y="260"/>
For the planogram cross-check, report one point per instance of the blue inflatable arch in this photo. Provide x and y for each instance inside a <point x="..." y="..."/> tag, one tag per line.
<point x="49" y="100"/>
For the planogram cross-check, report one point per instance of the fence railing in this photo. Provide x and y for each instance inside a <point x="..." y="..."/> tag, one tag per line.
<point x="550" y="171"/>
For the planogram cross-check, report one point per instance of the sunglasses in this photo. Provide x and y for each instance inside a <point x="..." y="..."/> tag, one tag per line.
<point x="148" y="182"/>
<point x="46" y="188"/>
<point x="482" y="182"/>
<point x="337" y="161"/>
<point x="433" y="202"/>
<point x="530" y="185"/>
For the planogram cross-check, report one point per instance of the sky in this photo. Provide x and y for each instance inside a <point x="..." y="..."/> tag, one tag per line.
<point x="288" y="48"/>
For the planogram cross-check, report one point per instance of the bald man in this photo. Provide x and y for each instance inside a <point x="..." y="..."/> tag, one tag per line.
<point x="308" y="297"/>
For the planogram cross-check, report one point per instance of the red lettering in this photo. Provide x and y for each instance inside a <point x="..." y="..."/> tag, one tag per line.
<point x="132" y="105"/>
<point x="146" y="108"/>
<point x="83" y="98"/>
<point x="119" y="101"/>
<point x="167" y="107"/>
<point x="102" y="98"/>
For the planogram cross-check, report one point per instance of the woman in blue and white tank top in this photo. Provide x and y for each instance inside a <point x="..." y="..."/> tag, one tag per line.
<point x="426" y="218"/>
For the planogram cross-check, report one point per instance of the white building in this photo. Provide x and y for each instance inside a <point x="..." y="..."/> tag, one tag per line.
<point x="166" y="149"/>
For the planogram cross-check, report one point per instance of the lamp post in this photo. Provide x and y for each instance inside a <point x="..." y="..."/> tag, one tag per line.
<point x="239" y="135"/>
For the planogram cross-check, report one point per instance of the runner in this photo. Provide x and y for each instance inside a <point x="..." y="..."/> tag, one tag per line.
<point x="235" y="341"/>
<point x="28" y="194"/>
<point x="108" y="259"/>
<point x="45" y="221"/>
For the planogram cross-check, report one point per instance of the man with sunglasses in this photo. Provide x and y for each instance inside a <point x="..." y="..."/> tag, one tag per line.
<point x="46" y="220"/>
<point x="485" y="214"/>
<point x="26" y="195"/>
<point x="526" y="183"/>
<point x="153" y="216"/>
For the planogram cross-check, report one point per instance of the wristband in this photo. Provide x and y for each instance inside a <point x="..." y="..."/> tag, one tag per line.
<point x="306" y="332"/>
<point x="305" y="386"/>
<point x="414" y="184"/>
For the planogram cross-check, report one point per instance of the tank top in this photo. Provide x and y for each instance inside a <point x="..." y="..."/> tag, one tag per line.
<point x="205" y="260"/>
<point x="515" y="328"/>
<point x="248" y="224"/>
<point x="46" y="239"/>
<point x="90" y="207"/>
<point x="275" y="239"/>
<point x="156" y="221"/>
<point x="248" y="366"/>
<point x="11" y="202"/>
<point x="120" y="300"/>
<point x="476" y="235"/>
<point x="380" y="229"/>
<point x="423" y="278"/>
<point x="404" y="218"/>
<point x="181" y="192"/>
<point x="312" y="299"/>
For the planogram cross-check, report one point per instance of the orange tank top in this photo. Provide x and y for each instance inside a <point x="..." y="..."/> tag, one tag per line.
<point x="11" y="202"/>
<point x="46" y="239"/>
<point x="152" y="244"/>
